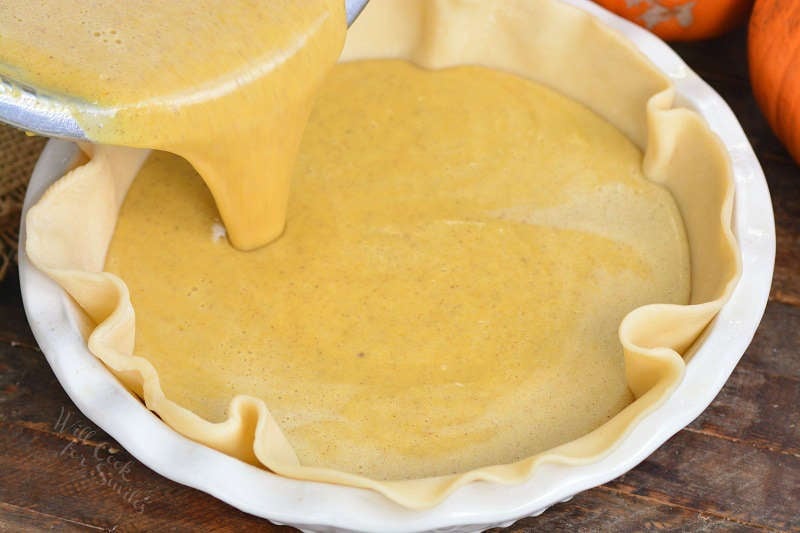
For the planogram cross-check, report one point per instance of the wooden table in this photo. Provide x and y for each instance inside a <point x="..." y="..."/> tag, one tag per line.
<point x="737" y="467"/>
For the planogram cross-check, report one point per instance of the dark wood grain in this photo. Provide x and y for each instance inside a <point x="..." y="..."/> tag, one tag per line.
<point x="776" y="345"/>
<point x="98" y="484"/>
<point x="14" y="328"/>
<point x="16" y="519"/>
<point x="608" y="509"/>
<point x="735" y="468"/>
<point x="722" y="478"/>
<point x="786" y="204"/>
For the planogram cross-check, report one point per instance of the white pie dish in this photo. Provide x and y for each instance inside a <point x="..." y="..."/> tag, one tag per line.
<point x="319" y="506"/>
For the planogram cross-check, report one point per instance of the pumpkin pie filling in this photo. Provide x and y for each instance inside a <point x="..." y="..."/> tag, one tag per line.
<point x="461" y="246"/>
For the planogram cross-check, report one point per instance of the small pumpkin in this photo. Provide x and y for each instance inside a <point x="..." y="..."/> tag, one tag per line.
<point x="774" y="56"/>
<point x="682" y="20"/>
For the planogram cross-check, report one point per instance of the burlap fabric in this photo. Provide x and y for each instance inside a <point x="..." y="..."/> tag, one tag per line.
<point x="18" y="154"/>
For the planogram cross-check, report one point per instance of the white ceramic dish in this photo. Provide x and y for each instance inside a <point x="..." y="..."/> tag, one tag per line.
<point x="324" y="507"/>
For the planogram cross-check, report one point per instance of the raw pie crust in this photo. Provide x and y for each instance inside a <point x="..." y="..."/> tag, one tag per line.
<point x="543" y="40"/>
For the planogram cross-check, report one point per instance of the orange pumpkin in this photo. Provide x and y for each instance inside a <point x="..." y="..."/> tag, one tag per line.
<point x="682" y="20"/>
<point x="774" y="57"/>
